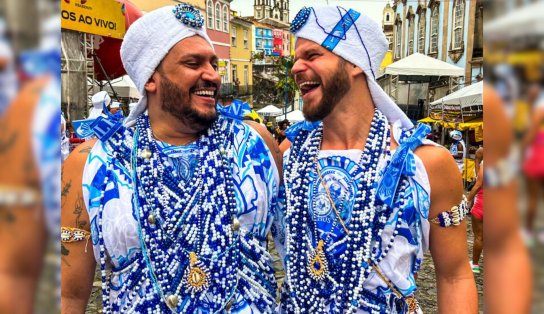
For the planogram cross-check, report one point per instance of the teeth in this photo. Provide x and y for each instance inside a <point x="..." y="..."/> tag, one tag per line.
<point x="309" y="83"/>
<point x="204" y="93"/>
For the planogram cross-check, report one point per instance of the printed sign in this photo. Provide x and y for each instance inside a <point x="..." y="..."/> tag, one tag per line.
<point x="99" y="17"/>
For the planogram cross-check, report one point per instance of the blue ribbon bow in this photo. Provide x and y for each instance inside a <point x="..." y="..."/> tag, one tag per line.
<point x="402" y="163"/>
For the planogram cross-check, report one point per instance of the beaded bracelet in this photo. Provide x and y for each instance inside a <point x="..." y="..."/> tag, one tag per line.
<point x="453" y="217"/>
<point x="68" y="234"/>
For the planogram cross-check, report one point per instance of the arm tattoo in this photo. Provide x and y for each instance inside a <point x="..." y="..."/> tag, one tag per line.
<point x="85" y="150"/>
<point x="63" y="250"/>
<point x="78" y="210"/>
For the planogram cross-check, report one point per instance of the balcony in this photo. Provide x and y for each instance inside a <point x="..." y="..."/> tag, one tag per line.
<point x="229" y="89"/>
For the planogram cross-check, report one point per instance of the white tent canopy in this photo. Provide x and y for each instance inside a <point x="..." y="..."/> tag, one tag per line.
<point x="270" y="110"/>
<point x="124" y="87"/>
<point x="466" y="96"/>
<point x="421" y="65"/>
<point x="524" y="21"/>
<point x="293" y="116"/>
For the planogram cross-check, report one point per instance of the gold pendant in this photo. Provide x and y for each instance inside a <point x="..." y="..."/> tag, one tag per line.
<point x="196" y="276"/>
<point x="317" y="264"/>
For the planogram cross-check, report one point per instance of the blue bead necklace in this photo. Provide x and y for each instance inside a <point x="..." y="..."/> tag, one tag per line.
<point x="307" y="260"/>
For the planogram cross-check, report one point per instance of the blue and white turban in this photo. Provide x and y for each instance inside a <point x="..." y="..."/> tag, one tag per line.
<point x="149" y="39"/>
<point x="356" y="38"/>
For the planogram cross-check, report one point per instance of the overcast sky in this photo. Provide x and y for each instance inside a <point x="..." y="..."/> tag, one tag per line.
<point x="372" y="8"/>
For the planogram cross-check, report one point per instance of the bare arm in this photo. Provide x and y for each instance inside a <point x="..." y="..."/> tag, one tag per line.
<point x="477" y="186"/>
<point x="77" y="259"/>
<point x="504" y="248"/>
<point x="479" y="156"/>
<point x="448" y="246"/>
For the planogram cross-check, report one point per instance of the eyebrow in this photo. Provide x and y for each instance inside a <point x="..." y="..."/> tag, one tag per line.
<point x="307" y="52"/>
<point x="198" y="57"/>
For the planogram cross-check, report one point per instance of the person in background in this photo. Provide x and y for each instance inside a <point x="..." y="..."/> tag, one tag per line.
<point x="458" y="149"/>
<point x="475" y="200"/>
<point x="280" y="130"/>
<point x="533" y="167"/>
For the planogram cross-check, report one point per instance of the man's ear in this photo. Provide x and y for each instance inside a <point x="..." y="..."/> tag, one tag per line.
<point x="151" y="85"/>
<point x="354" y="70"/>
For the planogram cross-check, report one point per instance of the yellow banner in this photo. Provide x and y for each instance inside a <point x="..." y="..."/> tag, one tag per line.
<point x="99" y="17"/>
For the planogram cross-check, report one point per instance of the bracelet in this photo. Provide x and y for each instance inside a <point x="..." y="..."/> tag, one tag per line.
<point x="453" y="217"/>
<point x="68" y="234"/>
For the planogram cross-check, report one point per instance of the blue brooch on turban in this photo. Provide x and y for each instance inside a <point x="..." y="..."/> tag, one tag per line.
<point x="300" y="19"/>
<point x="188" y="15"/>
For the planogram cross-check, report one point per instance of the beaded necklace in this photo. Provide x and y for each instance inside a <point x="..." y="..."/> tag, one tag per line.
<point x="186" y="230"/>
<point x="307" y="264"/>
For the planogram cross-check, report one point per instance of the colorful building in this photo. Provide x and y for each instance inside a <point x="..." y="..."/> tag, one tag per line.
<point x="277" y="42"/>
<point x="218" y="28"/>
<point x="240" y="57"/>
<point x="263" y="39"/>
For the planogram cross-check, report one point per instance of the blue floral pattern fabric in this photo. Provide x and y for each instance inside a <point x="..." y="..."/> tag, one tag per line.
<point x="406" y="227"/>
<point x="256" y="181"/>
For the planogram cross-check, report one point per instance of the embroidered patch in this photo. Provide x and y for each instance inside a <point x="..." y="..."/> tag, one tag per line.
<point x="188" y="15"/>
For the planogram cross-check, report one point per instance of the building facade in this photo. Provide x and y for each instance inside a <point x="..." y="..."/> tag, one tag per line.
<point x="277" y="10"/>
<point x="264" y="39"/>
<point x="240" y="58"/>
<point x="450" y="31"/>
<point x="218" y="29"/>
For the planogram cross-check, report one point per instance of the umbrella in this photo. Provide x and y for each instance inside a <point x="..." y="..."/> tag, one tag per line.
<point x="270" y="110"/>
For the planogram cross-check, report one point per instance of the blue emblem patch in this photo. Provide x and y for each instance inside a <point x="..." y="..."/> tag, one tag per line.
<point x="300" y="19"/>
<point x="188" y="15"/>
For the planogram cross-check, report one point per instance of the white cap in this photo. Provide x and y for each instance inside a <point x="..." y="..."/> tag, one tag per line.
<point x="99" y="100"/>
<point x="115" y="104"/>
<point x="149" y="39"/>
<point x="356" y="38"/>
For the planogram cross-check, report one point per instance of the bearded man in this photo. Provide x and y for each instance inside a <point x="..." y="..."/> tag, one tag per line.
<point x="365" y="194"/>
<point x="177" y="201"/>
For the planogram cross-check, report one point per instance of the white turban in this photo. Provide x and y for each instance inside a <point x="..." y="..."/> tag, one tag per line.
<point x="115" y="104"/>
<point x="99" y="100"/>
<point x="356" y="38"/>
<point x="150" y="38"/>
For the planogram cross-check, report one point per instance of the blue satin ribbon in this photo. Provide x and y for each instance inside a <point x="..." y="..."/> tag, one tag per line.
<point x="292" y="131"/>
<point x="340" y="30"/>
<point x="236" y="110"/>
<point x="402" y="163"/>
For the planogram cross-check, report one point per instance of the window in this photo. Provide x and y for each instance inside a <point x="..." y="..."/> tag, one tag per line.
<point x="246" y="39"/>
<point x="421" y="33"/>
<point x="258" y="14"/>
<point x="234" y="72"/>
<point x="433" y="47"/>
<point x="411" y="36"/>
<point x="217" y="16"/>
<point x="387" y="17"/>
<point x="233" y="36"/>
<point x="458" y="21"/>
<point x="210" y="14"/>
<point x="225" y="19"/>
<point x="246" y="74"/>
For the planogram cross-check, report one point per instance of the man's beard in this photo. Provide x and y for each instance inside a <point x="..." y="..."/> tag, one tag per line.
<point x="178" y="103"/>
<point x="337" y="86"/>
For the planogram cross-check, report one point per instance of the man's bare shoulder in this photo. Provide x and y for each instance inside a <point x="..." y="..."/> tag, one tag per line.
<point x="444" y="177"/>
<point x="78" y="156"/>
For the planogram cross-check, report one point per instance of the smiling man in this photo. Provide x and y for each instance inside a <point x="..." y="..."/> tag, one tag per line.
<point x="176" y="202"/>
<point x="365" y="194"/>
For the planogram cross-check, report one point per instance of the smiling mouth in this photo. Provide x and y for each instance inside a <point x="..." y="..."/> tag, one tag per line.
<point x="210" y="93"/>
<point x="308" y="86"/>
